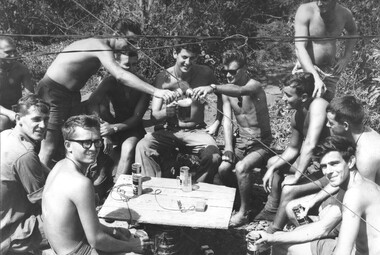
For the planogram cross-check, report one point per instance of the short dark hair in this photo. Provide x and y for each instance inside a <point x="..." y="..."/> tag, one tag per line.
<point x="29" y="100"/>
<point x="347" y="108"/>
<point x="189" y="45"/>
<point x="124" y="25"/>
<point x="302" y="82"/>
<point x="335" y="143"/>
<point x="83" y="121"/>
<point x="234" y="55"/>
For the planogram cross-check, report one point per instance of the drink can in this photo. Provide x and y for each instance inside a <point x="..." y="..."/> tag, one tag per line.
<point x="183" y="172"/>
<point x="300" y="214"/>
<point x="136" y="168"/>
<point x="136" y="179"/>
<point x="252" y="247"/>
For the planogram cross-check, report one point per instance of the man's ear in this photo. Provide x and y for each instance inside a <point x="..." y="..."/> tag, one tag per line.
<point x="351" y="162"/>
<point x="67" y="145"/>
<point x="346" y="125"/>
<point x="304" y="97"/>
<point x="175" y="54"/>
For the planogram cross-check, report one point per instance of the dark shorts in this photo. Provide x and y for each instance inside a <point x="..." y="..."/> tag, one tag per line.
<point x="121" y="136"/>
<point x="323" y="246"/>
<point x="63" y="102"/>
<point x="245" y="146"/>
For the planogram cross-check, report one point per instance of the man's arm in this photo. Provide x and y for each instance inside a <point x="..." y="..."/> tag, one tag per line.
<point x="214" y="127"/>
<point x="227" y="129"/>
<point x="301" y="27"/>
<point x="351" y="29"/>
<point x="160" y="113"/>
<point x="317" y="121"/>
<point x="9" y="113"/>
<point x="309" y="232"/>
<point x="82" y="195"/>
<point x="97" y="97"/>
<point x="354" y="200"/>
<point x="27" y="82"/>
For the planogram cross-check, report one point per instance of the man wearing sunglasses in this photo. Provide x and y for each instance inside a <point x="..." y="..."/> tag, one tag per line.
<point x="73" y="67"/>
<point x="323" y="18"/>
<point x="246" y="98"/>
<point x="23" y="177"/>
<point x="68" y="203"/>
<point x="14" y="77"/>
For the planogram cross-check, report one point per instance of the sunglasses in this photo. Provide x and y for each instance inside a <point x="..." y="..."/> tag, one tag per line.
<point x="86" y="144"/>
<point x="232" y="72"/>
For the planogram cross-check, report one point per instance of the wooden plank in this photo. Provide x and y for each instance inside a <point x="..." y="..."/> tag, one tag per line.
<point x="158" y="204"/>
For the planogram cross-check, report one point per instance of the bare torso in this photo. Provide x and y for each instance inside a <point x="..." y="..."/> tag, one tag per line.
<point x="72" y="70"/>
<point x="323" y="52"/>
<point x="200" y="76"/>
<point x="61" y="220"/>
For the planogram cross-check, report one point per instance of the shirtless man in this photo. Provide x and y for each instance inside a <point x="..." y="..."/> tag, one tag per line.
<point x="247" y="99"/>
<point x="70" y="220"/>
<point x="189" y="135"/>
<point x="308" y="125"/>
<point x="69" y="73"/>
<point x="130" y="105"/>
<point x="14" y="76"/>
<point x="320" y="19"/>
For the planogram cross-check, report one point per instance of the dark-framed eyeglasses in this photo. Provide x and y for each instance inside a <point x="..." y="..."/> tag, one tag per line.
<point x="232" y="71"/>
<point x="86" y="144"/>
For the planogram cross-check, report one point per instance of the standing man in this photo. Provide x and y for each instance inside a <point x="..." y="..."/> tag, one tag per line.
<point x="188" y="135"/>
<point x="14" y="76"/>
<point x="323" y="18"/>
<point x="70" y="71"/>
<point x="70" y="220"/>
<point x="246" y="98"/>
<point x="23" y="178"/>
<point x="130" y="105"/>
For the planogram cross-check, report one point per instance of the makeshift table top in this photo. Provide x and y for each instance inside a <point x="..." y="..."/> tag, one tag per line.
<point x="159" y="203"/>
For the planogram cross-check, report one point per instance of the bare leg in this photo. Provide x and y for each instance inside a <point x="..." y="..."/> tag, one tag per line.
<point x="49" y="147"/>
<point x="226" y="175"/>
<point x="5" y="123"/>
<point x="127" y="156"/>
<point x="293" y="249"/>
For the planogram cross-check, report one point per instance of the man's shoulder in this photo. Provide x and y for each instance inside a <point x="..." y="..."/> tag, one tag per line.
<point x="306" y="9"/>
<point x="89" y="43"/>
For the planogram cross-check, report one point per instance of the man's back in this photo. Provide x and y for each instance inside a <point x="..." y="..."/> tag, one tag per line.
<point x="62" y="223"/>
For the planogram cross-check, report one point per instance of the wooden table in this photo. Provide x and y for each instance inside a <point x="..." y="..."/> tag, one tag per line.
<point x="159" y="203"/>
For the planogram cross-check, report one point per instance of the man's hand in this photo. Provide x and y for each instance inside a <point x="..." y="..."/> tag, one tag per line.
<point x="166" y="95"/>
<point x="213" y="128"/>
<point x="106" y="129"/>
<point x="201" y="92"/>
<point x="319" y="87"/>
<point x="307" y="205"/>
<point x="171" y="109"/>
<point x="229" y="156"/>
<point x="265" y="238"/>
<point x="107" y="145"/>
<point x="121" y="234"/>
<point x="139" y="244"/>
<point x="341" y="65"/>
<point x="290" y="180"/>
<point x="267" y="180"/>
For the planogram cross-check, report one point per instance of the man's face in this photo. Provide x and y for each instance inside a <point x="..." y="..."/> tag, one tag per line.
<point x="326" y="5"/>
<point x="7" y="50"/>
<point x="185" y="60"/>
<point x="80" y="154"/>
<point x="335" y="168"/>
<point x="233" y="72"/>
<point x="125" y="44"/>
<point x="335" y="127"/>
<point x="291" y="99"/>
<point x="128" y="63"/>
<point x="34" y="124"/>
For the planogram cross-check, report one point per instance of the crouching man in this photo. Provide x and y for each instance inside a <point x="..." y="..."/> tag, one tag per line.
<point x="68" y="203"/>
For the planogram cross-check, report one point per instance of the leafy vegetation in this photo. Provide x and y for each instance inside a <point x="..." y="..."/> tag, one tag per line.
<point x="232" y="20"/>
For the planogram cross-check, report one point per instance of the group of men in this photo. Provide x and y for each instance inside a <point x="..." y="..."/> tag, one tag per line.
<point x="50" y="118"/>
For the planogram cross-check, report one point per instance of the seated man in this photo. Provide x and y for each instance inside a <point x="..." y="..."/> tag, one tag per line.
<point x="14" y="76"/>
<point x="23" y="178"/>
<point x="308" y="125"/>
<point x="129" y="105"/>
<point x="70" y="220"/>
<point x="336" y="156"/>
<point x="188" y="135"/>
<point x="69" y="72"/>
<point x="345" y="117"/>
<point x="247" y="99"/>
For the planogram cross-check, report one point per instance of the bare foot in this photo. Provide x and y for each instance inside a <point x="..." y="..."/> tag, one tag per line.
<point x="238" y="220"/>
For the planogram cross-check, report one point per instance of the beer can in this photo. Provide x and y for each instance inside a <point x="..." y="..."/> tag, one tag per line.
<point x="300" y="214"/>
<point x="252" y="247"/>
<point x="183" y="172"/>
<point x="136" y="179"/>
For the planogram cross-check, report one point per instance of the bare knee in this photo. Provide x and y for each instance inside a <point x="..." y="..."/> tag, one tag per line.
<point x="241" y="168"/>
<point x="288" y="192"/>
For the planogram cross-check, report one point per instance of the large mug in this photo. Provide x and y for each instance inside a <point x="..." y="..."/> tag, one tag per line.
<point x="184" y="109"/>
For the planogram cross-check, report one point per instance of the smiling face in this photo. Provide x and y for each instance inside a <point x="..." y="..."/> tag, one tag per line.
<point x="80" y="154"/>
<point x="291" y="98"/>
<point x="233" y="72"/>
<point x="185" y="60"/>
<point x="335" y="168"/>
<point x="33" y="124"/>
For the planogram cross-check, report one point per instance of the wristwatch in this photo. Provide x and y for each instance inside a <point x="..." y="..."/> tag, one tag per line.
<point x="115" y="129"/>
<point x="213" y="86"/>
